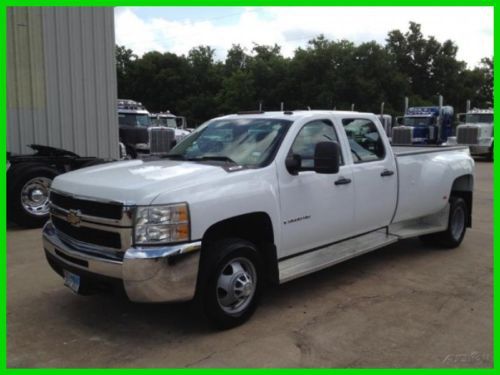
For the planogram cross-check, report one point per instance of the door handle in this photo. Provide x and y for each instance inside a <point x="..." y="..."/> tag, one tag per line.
<point x="386" y="173"/>
<point x="343" y="181"/>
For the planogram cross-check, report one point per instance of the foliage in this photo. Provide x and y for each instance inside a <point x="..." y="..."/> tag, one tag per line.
<point x="325" y="74"/>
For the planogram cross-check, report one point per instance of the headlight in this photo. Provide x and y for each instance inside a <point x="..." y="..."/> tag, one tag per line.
<point x="161" y="224"/>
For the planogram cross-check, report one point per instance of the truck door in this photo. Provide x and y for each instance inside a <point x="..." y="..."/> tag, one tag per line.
<point x="374" y="174"/>
<point x="316" y="208"/>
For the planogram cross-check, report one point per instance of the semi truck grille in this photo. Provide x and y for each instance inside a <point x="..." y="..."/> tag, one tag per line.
<point x="467" y="135"/>
<point x="402" y="135"/>
<point x="88" y="235"/>
<point x="160" y="140"/>
<point x="88" y="207"/>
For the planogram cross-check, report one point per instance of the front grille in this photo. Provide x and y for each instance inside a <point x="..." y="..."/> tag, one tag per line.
<point x="160" y="140"/>
<point x="88" y="235"/>
<point x="402" y="135"/>
<point x="467" y="135"/>
<point x="88" y="207"/>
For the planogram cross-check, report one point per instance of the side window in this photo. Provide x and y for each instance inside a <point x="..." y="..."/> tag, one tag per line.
<point x="364" y="139"/>
<point x="309" y="136"/>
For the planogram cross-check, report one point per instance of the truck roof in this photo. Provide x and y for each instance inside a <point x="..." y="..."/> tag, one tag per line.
<point x="133" y="111"/>
<point x="292" y="115"/>
<point x="477" y="110"/>
<point x="428" y="110"/>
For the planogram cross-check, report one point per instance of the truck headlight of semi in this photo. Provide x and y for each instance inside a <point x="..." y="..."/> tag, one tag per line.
<point x="155" y="225"/>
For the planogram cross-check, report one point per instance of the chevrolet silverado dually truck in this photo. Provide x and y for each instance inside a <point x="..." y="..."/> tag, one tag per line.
<point x="248" y="199"/>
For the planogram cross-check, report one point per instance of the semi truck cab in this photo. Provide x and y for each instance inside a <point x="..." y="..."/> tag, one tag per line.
<point x="476" y="131"/>
<point x="424" y="125"/>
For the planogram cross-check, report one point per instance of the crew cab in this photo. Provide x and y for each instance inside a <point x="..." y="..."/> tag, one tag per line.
<point x="248" y="199"/>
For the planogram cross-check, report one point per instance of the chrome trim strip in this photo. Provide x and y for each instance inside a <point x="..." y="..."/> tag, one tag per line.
<point x="101" y="251"/>
<point x="123" y="222"/>
<point x="162" y="252"/>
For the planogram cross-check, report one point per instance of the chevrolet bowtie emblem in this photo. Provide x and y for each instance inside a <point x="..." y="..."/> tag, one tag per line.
<point x="74" y="217"/>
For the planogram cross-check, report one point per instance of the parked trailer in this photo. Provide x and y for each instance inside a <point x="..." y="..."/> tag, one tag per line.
<point x="29" y="178"/>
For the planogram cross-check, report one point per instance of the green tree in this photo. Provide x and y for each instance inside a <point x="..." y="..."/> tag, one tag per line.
<point x="322" y="75"/>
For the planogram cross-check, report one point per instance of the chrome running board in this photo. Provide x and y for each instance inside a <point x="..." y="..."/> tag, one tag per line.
<point x="315" y="260"/>
<point x="436" y="222"/>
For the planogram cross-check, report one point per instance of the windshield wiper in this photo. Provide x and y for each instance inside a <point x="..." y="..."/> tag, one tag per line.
<point x="216" y="158"/>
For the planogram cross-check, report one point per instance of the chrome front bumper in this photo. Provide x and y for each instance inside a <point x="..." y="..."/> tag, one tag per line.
<point x="148" y="274"/>
<point x="479" y="149"/>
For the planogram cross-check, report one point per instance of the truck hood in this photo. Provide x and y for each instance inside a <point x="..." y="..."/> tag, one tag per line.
<point x="136" y="181"/>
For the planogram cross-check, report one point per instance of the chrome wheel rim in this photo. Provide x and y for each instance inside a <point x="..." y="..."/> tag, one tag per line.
<point x="236" y="285"/>
<point x="457" y="223"/>
<point x="35" y="196"/>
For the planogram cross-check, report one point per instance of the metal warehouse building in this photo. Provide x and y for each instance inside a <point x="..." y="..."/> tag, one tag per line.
<point x="61" y="83"/>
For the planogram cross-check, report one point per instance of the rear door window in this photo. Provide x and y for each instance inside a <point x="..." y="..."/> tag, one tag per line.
<point x="364" y="139"/>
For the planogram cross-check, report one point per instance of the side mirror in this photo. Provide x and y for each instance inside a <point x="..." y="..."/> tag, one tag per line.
<point x="400" y="120"/>
<point x="293" y="163"/>
<point x="461" y="118"/>
<point x="327" y="157"/>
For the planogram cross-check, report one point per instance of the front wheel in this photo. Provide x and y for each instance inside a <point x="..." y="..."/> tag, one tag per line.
<point x="231" y="287"/>
<point x="457" y="222"/>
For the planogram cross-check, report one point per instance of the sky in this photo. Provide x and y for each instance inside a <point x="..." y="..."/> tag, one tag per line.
<point x="178" y="29"/>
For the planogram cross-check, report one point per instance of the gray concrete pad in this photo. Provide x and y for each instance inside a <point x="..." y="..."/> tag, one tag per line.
<point x="406" y="305"/>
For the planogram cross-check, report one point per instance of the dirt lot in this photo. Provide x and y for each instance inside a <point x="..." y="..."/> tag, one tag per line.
<point x="406" y="305"/>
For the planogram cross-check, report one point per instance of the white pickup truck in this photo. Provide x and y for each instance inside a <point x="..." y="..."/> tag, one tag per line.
<point x="248" y="199"/>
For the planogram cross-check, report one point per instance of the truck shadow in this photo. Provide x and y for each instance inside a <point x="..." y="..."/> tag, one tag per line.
<point x="139" y="323"/>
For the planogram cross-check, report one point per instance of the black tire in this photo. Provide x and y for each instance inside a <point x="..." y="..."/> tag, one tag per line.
<point x="457" y="224"/>
<point x="489" y="157"/>
<point x="219" y="266"/>
<point x="131" y="152"/>
<point x="18" y="179"/>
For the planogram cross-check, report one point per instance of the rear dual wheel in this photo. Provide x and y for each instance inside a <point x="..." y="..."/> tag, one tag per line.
<point x="457" y="222"/>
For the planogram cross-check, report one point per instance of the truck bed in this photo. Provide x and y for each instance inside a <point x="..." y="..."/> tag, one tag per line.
<point x="423" y="149"/>
<point x="422" y="169"/>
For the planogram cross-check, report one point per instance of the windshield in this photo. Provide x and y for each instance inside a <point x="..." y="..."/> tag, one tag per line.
<point x="418" y="121"/>
<point x="247" y="142"/>
<point x="475" y="118"/>
<point x="169" y="122"/>
<point x="134" y="119"/>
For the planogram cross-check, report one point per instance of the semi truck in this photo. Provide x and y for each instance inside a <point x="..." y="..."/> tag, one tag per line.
<point x="138" y="134"/>
<point x="424" y="125"/>
<point x="250" y="199"/>
<point x="169" y="120"/>
<point x="476" y="131"/>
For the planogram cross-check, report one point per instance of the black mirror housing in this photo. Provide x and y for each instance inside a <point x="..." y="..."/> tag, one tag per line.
<point x="293" y="163"/>
<point x="327" y="158"/>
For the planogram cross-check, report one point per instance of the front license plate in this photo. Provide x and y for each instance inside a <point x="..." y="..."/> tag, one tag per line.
<point x="72" y="281"/>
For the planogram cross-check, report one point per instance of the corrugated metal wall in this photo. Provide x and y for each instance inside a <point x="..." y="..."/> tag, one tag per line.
<point x="61" y="79"/>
